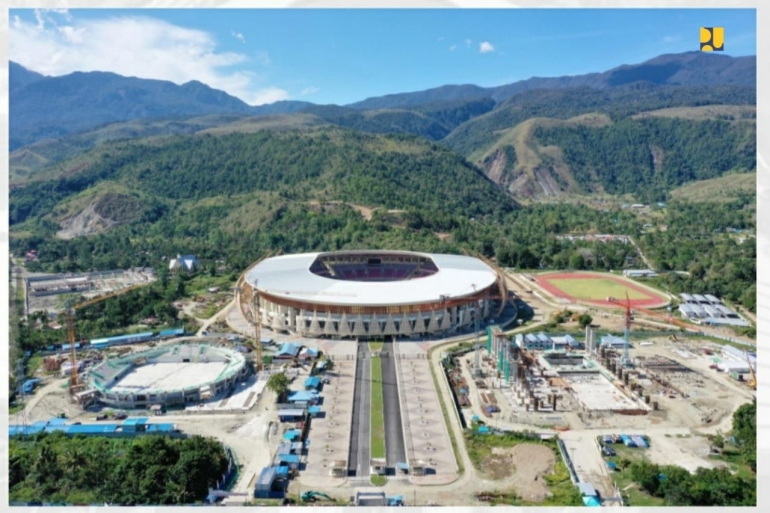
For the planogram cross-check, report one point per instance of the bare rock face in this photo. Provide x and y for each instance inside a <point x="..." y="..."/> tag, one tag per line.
<point x="100" y="215"/>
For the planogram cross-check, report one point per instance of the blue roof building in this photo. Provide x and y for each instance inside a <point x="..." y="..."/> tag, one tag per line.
<point x="304" y="396"/>
<point x="288" y="351"/>
<point x="312" y="383"/>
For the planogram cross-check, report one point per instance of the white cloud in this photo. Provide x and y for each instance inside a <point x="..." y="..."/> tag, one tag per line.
<point x="58" y="44"/>
<point x="486" y="47"/>
<point x="238" y="36"/>
<point x="269" y="95"/>
<point x="453" y="48"/>
<point x="309" y="90"/>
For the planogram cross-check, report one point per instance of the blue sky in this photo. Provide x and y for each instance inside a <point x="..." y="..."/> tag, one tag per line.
<point x="342" y="56"/>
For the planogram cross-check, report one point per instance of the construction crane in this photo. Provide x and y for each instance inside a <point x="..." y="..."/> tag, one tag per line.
<point x="668" y="319"/>
<point x="626" y="360"/>
<point x="71" y="327"/>
<point x="753" y="381"/>
<point x="248" y="303"/>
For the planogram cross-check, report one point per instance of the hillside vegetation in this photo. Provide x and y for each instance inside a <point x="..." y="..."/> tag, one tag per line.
<point x="724" y="188"/>
<point x="649" y="157"/>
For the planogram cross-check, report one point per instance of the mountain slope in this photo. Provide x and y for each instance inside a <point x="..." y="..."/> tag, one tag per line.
<point x="474" y="137"/>
<point x="685" y="69"/>
<point x="392" y="172"/>
<point x="19" y="76"/>
<point x="63" y="105"/>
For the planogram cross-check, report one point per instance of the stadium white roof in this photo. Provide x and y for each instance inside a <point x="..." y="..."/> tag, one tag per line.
<point x="289" y="276"/>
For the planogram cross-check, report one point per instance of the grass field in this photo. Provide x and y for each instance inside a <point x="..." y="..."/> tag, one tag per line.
<point x="377" y="433"/>
<point x="597" y="289"/>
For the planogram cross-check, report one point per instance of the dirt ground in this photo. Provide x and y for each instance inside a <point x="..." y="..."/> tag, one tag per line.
<point x="522" y="467"/>
<point x="689" y="452"/>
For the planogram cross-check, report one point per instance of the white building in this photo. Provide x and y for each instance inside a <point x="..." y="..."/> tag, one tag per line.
<point x="187" y="263"/>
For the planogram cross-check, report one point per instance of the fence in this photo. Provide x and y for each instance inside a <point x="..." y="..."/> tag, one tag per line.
<point x="567" y="461"/>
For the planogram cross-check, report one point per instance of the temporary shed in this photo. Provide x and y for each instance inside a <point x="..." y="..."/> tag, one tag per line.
<point x="291" y="415"/>
<point x="287" y="351"/>
<point x="731" y="366"/>
<point x="265" y="480"/>
<point x="308" y="396"/>
<point x="292" y="434"/>
<point x="312" y="383"/>
<point x="612" y="341"/>
<point x="713" y="299"/>
<point x="308" y="353"/>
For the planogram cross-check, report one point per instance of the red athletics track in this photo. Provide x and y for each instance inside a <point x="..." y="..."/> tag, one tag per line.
<point x="653" y="301"/>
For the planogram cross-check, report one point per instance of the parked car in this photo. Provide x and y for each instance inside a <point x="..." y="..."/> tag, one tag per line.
<point x="608" y="451"/>
<point x="607" y="439"/>
<point x="101" y="417"/>
<point x="120" y="415"/>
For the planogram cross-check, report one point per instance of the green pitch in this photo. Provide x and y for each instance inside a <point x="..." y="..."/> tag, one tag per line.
<point x="597" y="289"/>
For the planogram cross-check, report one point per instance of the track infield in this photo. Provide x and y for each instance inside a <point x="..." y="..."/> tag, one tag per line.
<point x="595" y="288"/>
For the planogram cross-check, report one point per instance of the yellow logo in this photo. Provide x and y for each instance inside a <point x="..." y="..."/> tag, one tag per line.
<point x="712" y="39"/>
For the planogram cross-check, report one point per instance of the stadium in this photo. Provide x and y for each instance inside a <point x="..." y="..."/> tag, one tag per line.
<point x="175" y="375"/>
<point x="370" y="294"/>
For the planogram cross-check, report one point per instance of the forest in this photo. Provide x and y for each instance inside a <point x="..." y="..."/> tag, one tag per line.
<point x="649" y="157"/>
<point x="234" y="198"/>
<point x="148" y="470"/>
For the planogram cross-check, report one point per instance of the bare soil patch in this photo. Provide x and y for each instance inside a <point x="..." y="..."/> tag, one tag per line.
<point x="524" y="467"/>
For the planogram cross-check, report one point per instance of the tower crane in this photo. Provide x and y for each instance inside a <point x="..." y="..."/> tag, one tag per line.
<point x="71" y="327"/>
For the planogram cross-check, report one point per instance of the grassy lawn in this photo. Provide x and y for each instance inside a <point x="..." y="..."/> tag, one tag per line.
<point x="375" y="346"/>
<point x="632" y="494"/>
<point x="378" y="480"/>
<point x="16" y="408"/>
<point x="202" y="282"/>
<point x="378" y="417"/>
<point x="597" y="289"/>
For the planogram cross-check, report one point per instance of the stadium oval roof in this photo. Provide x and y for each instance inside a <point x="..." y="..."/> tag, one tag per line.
<point x="289" y="277"/>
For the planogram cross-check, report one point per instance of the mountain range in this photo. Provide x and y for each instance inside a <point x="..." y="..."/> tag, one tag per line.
<point x="44" y="107"/>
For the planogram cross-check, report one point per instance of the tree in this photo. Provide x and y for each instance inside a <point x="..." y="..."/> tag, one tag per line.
<point x="585" y="319"/>
<point x="278" y="383"/>
<point x="577" y="262"/>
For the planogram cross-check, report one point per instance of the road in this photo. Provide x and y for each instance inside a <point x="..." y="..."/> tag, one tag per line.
<point x="360" y="429"/>
<point x="395" y="451"/>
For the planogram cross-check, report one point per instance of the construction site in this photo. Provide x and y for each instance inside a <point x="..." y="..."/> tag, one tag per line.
<point x="43" y="291"/>
<point x="504" y="380"/>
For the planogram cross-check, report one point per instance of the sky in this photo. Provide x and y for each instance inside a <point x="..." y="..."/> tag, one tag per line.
<point x="342" y="56"/>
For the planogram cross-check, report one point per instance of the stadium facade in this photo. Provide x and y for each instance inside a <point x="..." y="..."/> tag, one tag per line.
<point x="175" y="375"/>
<point x="370" y="294"/>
